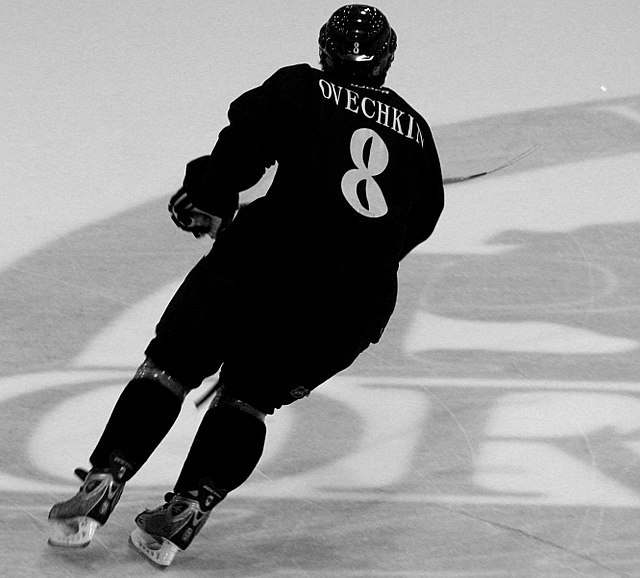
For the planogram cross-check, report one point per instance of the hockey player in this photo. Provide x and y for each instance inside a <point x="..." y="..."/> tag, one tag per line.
<point x="296" y="286"/>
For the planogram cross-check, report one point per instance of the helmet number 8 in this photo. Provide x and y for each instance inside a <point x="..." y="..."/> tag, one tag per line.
<point x="375" y="206"/>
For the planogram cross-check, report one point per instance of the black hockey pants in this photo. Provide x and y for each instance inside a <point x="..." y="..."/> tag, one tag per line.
<point x="278" y="331"/>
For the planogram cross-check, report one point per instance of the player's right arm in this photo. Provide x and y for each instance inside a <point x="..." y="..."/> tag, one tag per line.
<point x="185" y="214"/>
<point x="209" y="197"/>
<point x="245" y="148"/>
<point x="425" y="214"/>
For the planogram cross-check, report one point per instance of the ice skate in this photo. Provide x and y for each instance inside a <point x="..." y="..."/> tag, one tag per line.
<point x="76" y="520"/>
<point x="170" y="528"/>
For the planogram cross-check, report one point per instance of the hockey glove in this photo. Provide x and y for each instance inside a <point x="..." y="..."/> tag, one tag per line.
<point x="189" y="218"/>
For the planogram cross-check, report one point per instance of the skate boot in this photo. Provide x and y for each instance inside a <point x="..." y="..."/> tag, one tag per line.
<point x="75" y="521"/>
<point x="172" y="526"/>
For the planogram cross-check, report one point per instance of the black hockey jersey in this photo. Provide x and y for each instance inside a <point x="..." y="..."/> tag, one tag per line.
<point x="358" y="181"/>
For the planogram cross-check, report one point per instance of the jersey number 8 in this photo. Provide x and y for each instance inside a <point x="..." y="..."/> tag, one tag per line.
<point x="373" y="203"/>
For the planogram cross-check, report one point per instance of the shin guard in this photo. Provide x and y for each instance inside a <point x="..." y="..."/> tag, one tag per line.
<point x="141" y="418"/>
<point x="226" y="449"/>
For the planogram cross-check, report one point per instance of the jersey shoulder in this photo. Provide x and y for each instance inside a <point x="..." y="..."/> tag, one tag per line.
<point x="294" y="75"/>
<point x="400" y="102"/>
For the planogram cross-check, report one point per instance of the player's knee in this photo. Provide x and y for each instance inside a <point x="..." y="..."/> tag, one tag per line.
<point x="149" y="370"/>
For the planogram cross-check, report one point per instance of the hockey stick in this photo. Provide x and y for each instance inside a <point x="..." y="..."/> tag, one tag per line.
<point x="450" y="180"/>
<point x="462" y="179"/>
<point x="207" y="396"/>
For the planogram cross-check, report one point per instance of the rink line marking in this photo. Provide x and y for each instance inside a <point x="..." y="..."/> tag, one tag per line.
<point x="407" y="573"/>
<point x="16" y="385"/>
<point x="24" y="384"/>
<point x="502" y="383"/>
<point x="368" y="497"/>
<point x="412" y="498"/>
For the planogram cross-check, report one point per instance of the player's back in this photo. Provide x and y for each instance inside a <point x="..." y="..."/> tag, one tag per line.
<point x="354" y="163"/>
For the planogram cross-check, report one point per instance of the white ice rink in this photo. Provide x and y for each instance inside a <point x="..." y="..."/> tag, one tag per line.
<point x="495" y="430"/>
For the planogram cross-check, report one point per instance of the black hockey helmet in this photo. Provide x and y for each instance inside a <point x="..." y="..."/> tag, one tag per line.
<point x="358" y="43"/>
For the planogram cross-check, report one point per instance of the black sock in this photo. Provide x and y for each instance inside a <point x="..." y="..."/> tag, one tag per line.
<point x="226" y="450"/>
<point x="142" y="416"/>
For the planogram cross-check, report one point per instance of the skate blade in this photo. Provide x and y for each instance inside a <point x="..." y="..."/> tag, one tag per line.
<point x="72" y="532"/>
<point x="160" y="554"/>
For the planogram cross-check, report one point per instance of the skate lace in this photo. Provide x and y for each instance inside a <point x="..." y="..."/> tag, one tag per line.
<point x="90" y="480"/>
